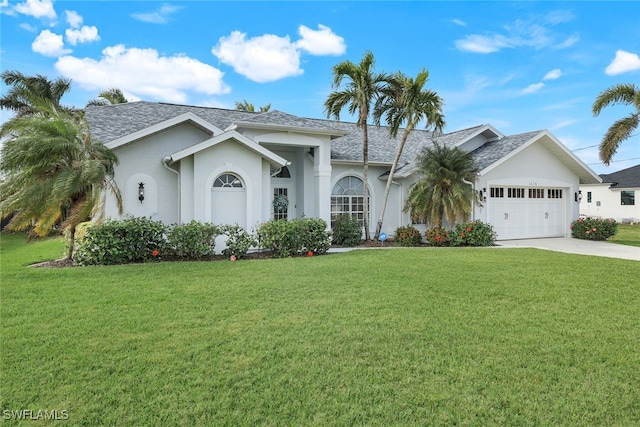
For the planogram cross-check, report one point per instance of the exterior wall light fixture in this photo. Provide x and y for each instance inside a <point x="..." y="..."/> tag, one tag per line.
<point x="141" y="191"/>
<point x="577" y="196"/>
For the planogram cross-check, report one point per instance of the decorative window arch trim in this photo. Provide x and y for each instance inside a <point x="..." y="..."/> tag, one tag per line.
<point x="248" y="187"/>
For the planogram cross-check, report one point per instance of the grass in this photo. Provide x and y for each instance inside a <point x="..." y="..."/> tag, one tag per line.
<point x="443" y="336"/>
<point x="627" y="235"/>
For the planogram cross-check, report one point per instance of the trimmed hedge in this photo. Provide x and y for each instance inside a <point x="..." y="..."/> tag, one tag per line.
<point x="594" y="228"/>
<point x="347" y="231"/>
<point x="143" y="240"/>
<point x="122" y="242"/>
<point x="474" y="233"/>
<point x="297" y="236"/>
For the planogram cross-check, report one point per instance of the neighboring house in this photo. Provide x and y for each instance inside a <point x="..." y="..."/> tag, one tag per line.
<point x="616" y="197"/>
<point x="180" y="163"/>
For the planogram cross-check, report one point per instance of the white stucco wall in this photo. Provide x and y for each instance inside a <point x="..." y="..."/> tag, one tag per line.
<point x="141" y="161"/>
<point x="605" y="203"/>
<point x="231" y="157"/>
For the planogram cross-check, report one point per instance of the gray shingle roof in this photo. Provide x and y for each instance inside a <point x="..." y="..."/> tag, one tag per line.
<point x="626" y="178"/>
<point x="111" y="122"/>
<point x="493" y="151"/>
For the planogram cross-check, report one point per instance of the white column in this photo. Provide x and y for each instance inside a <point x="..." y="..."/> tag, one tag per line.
<point x="186" y="195"/>
<point x="322" y="178"/>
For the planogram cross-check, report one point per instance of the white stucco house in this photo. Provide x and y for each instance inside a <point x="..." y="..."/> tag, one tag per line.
<point x="616" y="197"/>
<point x="178" y="163"/>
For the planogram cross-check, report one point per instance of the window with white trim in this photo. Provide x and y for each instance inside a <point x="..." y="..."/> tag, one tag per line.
<point x="227" y="180"/>
<point x="347" y="197"/>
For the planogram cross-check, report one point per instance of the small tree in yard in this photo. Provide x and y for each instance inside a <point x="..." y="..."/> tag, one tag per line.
<point x="55" y="173"/>
<point x="442" y="190"/>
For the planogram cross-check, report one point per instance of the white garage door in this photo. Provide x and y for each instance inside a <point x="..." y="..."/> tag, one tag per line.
<point x="525" y="213"/>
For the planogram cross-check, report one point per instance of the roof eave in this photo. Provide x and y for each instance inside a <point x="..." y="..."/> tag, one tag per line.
<point x="285" y="128"/>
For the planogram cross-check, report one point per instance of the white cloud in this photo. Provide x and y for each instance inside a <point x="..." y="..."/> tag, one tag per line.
<point x="483" y="44"/>
<point x="160" y="16"/>
<point x="568" y="42"/>
<point x="564" y="123"/>
<point x="28" y="27"/>
<point x="49" y="44"/>
<point x="558" y="17"/>
<point x="83" y="35"/>
<point x="144" y="73"/>
<point x="623" y="63"/>
<point x="320" y="42"/>
<point x="37" y="9"/>
<point x="269" y="57"/>
<point x="459" y="22"/>
<point x="532" y="88"/>
<point x="261" y="59"/>
<point x="553" y="74"/>
<point x="73" y="18"/>
<point x="533" y="32"/>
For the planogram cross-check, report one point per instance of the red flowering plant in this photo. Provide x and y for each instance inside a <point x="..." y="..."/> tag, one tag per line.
<point x="474" y="233"/>
<point x="407" y="236"/>
<point x="594" y="228"/>
<point x="437" y="236"/>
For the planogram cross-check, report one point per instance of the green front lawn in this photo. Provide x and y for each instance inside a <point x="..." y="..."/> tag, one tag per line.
<point x="627" y="235"/>
<point x="441" y="336"/>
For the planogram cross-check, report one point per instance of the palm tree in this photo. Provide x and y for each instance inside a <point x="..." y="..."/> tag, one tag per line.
<point x="55" y="173"/>
<point x="627" y="94"/>
<point x="364" y="86"/>
<point x="406" y="101"/>
<point x="109" y="97"/>
<point x="25" y="90"/>
<point x="442" y="190"/>
<point x="247" y="106"/>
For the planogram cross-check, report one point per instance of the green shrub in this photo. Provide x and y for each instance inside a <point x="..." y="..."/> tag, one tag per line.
<point x="594" y="228"/>
<point x="407" y="236"/>
<point x="437" y="236"/>
<point x="122" y="242"/>
<point x="313" y="235"/>
<point x="276" y="236"/>
<point x="347" y="231"/>
<point x="297" y="236"/>
<point x="193" y="240"/>
<point x="475" y="233"/>
<point x="239" y="240"/>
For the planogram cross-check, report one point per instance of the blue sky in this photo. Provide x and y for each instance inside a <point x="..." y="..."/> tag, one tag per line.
<point x="520" y="66"/>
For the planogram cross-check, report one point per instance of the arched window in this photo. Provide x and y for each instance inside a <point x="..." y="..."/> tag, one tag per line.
<point x="227" y="180"/>
<point x="347" y="197"/>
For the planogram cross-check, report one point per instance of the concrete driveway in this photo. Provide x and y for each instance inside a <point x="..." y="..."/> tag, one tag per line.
<point x="576" y="246"/>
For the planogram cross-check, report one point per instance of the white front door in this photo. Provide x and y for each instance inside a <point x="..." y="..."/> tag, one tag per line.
<point x="282" y="203"/>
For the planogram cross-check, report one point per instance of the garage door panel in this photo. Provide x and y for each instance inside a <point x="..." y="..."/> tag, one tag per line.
<point x="520" y="213"/>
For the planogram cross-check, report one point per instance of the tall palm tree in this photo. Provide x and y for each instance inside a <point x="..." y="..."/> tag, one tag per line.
<point x="442" y="190"/>
<point x="55" y="173"/>
<point x="26" y="90"/>
<point x="406" y="101"/>
<point x="363" y="87"/>
<point x="109" y="97"/>
<point x="627" y="94"/>
<point x="247" y="106"/>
